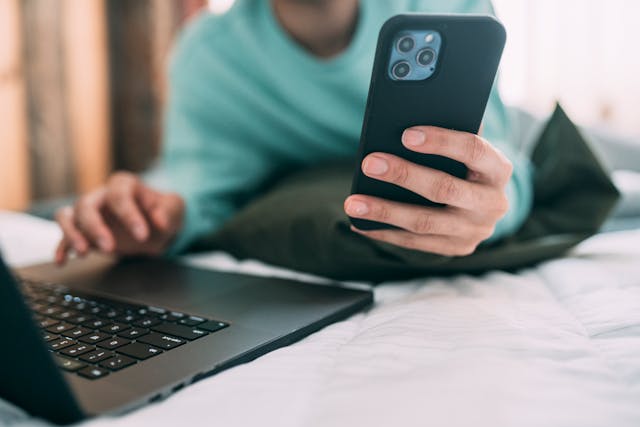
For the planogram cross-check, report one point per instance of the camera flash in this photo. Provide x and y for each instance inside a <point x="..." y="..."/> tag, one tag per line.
<point x="429" y="38"/>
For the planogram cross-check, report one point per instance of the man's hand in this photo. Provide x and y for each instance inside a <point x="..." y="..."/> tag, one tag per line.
<point x="474" y="206"/>
<point x="124" y="217"/>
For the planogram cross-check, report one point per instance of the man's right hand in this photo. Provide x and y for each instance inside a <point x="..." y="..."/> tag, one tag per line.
<point x="125" y="217"/>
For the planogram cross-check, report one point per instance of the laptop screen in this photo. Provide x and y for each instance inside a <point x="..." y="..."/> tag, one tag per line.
<point x="29" y="377"/>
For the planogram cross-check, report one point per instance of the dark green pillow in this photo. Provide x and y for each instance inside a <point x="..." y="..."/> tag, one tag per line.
<point x="300" y="223"/>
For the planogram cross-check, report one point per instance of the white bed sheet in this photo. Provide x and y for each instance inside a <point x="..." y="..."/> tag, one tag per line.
<point x="558" y="345"/>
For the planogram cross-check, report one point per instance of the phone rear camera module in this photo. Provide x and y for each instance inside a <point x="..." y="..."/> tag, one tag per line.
<point x="401" y="70"/>
<point x="406" y="44"/>
<point x="414" y="55"/>
<point x="426" y="57"/>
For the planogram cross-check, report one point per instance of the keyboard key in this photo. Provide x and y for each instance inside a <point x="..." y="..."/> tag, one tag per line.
<point x="133" y="333"/>
<point x="95" y="309"/>
<point x="117" y="362"/>
<point x="60" y="328"/>
<point x="95" y="323"/>
<point x="47" y="322"/>
<point x="128" y="308"/>
<point x="161" y="340"/>
<point x="50" y="311"/>
<point x="174" y="316"/>
<point x="96" y="356"/>
<point x="77" y="332"/>
<point x="139" y="350"/>
<point x="94" y="337"/>
<point x="81" y="306"/>
<point x="146" y="322"/>
<point x="68" y="364"/>
<point x="47" y="336"/>
<point x="127" y="318"/>
<point x="65" y="315"/>
<point x="191" y="321"/>
<point x="156" y="310"/>
<point x="112" y="343"/>
<point x="77" y="350"/>
<point x="53" y="301"/>
<point x="60" y="344"/>
<point x="36" y="306"/>
<point x="115" y="328"/>
<point x="182" y="331"/>
<point x="79" y="319"/>
<point x="213" y="325"/>
<point x="112" y="313"/>
<point x="93" y="373"/>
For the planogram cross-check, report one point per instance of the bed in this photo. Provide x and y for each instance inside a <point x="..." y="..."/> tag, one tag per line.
<point x="555" y="345"/>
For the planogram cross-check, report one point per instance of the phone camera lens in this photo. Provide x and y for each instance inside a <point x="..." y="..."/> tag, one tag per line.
<point x="426" y="57"/>
<point x="401" y="70"/>
<point x="405" y="44"/>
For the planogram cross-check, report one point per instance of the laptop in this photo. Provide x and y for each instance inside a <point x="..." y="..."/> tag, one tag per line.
<point x="100" y="337"/>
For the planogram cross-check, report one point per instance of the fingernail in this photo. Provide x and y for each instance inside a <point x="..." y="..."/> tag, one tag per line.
<point x="413" y="137"/>
<point x="357" y="208"/>
<point x="80" y="246"/>
<point x="140" y="232"/>
<point x="104" y="244"/>
<point x="375" y="165"/>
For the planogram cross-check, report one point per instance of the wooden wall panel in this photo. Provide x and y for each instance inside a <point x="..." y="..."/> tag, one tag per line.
<point x="141" y="35"/>
<point x="14" y="173"/>
<point x="82" y="88"/>
<point x="167" y="19"/>
<point x="52" y="167"/>
<point x="87" y="87"/>
<point x="136" y="114"/>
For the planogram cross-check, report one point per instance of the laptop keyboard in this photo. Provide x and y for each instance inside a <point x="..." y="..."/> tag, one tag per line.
<point x="93" y="336"/>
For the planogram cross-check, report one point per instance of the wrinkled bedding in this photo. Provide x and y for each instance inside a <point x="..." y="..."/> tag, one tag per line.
<point x="557" y="345"/>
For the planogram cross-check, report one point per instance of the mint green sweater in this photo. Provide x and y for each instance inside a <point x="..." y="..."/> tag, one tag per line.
<point x="246" y="102"/>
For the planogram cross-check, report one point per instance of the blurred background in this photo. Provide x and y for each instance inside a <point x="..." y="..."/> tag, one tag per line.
<point x="82" y="81"/>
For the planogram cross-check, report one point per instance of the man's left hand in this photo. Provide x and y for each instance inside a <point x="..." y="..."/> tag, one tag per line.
<point x="473" y="206"/>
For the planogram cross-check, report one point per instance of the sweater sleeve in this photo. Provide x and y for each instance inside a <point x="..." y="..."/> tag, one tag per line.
<point x="193" y="165"/>
<point x="519" y="190"/>
<point x="205" y="157"/>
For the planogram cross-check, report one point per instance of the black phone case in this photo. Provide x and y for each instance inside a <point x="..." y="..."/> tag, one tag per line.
<point x="455" y="97"/>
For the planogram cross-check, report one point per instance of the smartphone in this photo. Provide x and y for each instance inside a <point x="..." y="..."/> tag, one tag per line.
<point x="435" y="70"/>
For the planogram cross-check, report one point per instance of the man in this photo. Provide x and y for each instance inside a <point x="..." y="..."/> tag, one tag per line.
<point x="281" y="84"/>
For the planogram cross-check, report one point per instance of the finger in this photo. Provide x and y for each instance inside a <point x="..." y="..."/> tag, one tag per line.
<point x="440" y="245"/>
<point x="170" y="211"/>
<point x="88" y="219"/>
<point x="472" y="150"/>
<point x="122" y="202"/>
<point x="416" y="219"/>
<point x="432" y="184"/>
<point x="73" y="237"/>
<point x="150" y="200"/>
<point x="62" y="251"/>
